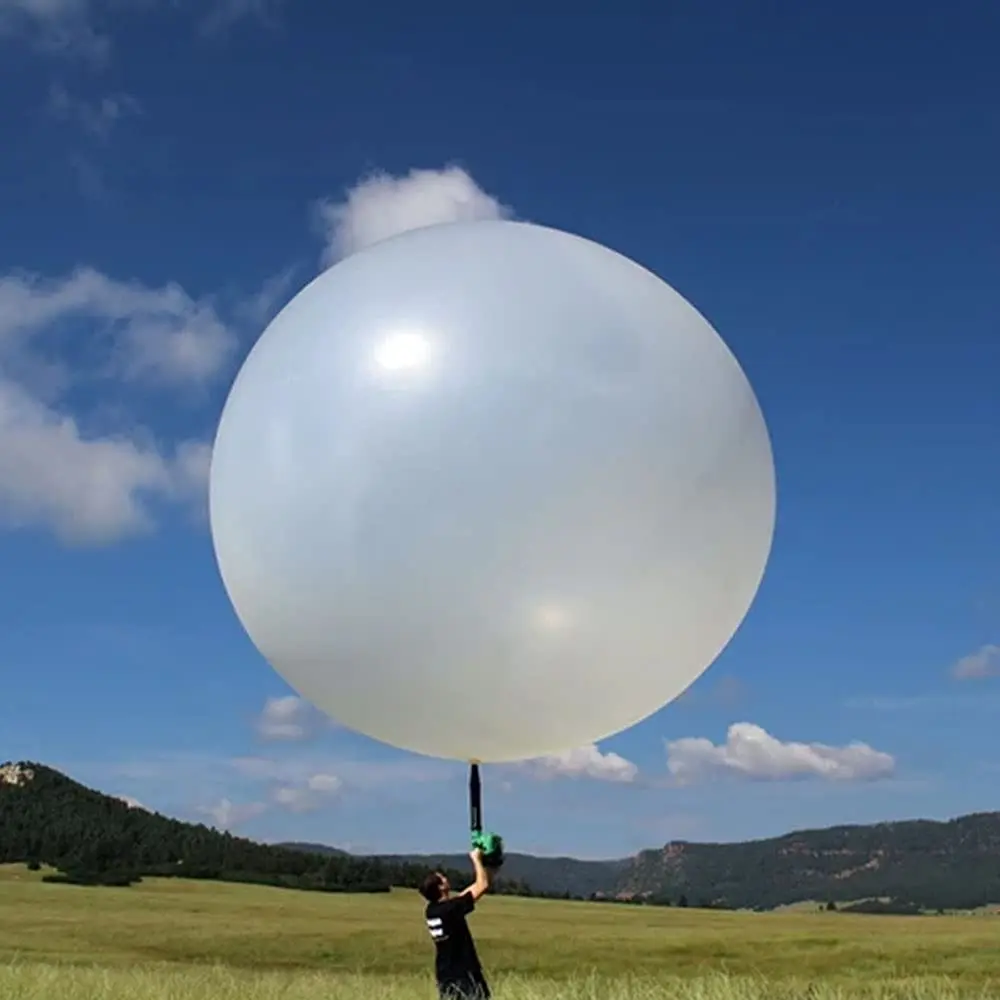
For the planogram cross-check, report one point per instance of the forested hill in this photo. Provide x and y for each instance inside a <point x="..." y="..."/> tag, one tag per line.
<point x="47" y="818"/>
<point x="50" y="819"/>
<point x="916" y="864"/>
<point x="548" y="876"/>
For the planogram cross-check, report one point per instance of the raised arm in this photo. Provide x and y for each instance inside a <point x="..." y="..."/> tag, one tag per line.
<point x="482" y="883"/>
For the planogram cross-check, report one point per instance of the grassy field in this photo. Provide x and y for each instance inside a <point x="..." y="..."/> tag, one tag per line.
<point x="175" y="939"/>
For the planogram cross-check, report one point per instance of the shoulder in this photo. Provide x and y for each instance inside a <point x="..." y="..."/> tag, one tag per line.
<point x="463" y="903"/>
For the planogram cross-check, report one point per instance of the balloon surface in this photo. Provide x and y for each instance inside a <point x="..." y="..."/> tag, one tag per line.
<point x="491" y="491"/>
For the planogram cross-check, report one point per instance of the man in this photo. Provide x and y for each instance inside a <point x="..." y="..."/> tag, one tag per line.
<point x="456" y="965"/>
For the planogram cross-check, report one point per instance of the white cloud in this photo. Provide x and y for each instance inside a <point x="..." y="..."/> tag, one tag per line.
<point x="382" y="206"/>
<point x="314" y="792"/>
<point x="192" y="461"/>
<point x="133" y="803"/>
<point x="89" y="490"/>
<point x="984" y="662"/>
<point x="585" y="762"/>
<point x="751" y="752"/>
<point x="98" y="481"/>
<point x="226" y="814"/>
<point x="232" y="791"/>
<point x="317" y="790"/>
<point x="96" y="118"/>
<point x="289" y="718"/>
<point x="96" y="475"/>
<point x="162" y="334"/>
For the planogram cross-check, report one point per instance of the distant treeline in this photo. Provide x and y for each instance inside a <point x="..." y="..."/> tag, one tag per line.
<point x="904" y="868"/>
<point x="95" y="839"/>
<point x="918" y="865"/>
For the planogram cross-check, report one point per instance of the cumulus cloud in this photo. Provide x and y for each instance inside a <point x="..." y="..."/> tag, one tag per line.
<point x="382" y="206"/>
<point x="72" y="464"/>
<point x="89" y="490"/>
<point x="316" y="791"/>
<point x="585" y="762"/>
<point x="232" y="791"/>
<point x="289" y="718"/>
<point x="751" y="752"/>
<point x="984" y="662"/>
<point x="96" y="481"/>
<point x="300" y="795"/>
<point x="160" y="334"/>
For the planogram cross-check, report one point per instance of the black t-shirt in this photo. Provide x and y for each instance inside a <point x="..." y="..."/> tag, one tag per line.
<point x="456" y="961"/>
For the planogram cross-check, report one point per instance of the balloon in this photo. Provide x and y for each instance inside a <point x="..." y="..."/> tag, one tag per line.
<point x="490" y="491"/>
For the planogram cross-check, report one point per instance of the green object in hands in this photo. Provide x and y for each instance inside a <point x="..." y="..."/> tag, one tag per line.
<point x="491" y="845"/>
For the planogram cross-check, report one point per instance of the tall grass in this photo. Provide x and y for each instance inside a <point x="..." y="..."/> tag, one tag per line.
<point x="176" y="940"/>
<point x="56" y="982"/>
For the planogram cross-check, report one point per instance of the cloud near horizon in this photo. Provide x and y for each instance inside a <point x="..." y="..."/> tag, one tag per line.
<point x="584" y="762"/>
<point x="232" y="791"/>
<point x="751" y="753"/>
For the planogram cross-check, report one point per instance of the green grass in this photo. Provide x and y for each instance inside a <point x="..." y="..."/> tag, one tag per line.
<point x="176" y="939"/>
<point x="61" y="983"/>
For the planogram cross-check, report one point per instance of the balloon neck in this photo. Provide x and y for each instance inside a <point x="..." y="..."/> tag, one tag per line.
<point x="491" y="846"/>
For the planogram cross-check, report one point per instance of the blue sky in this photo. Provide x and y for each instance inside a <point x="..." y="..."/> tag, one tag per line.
<point x="821" y="184"/>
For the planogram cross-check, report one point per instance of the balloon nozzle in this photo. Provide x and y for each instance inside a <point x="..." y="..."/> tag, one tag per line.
<point x="491" y="845"/>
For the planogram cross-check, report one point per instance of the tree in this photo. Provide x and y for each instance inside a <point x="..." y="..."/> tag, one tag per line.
<point x="95" y="839"/>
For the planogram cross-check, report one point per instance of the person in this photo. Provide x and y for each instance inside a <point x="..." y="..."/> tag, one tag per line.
<point x="456" y="963"/>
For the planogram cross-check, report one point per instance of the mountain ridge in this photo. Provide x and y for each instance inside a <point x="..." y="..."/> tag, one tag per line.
<point x="91" y="838"/>
<point x="47" y="817"/>
<point x="935" y="864"/>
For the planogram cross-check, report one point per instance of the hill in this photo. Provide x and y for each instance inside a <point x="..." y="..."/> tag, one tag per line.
<point x="563" y="877"/>
<point x="926" y="864"/>
<point x="916" y="864"/>
<point x="47" y="818"/>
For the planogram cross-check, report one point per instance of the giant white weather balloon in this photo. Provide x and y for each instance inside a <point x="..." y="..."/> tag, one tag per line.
<point x="491" y="491"/>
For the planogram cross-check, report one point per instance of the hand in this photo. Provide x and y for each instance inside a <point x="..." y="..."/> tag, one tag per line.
<point x="476" y="855"/>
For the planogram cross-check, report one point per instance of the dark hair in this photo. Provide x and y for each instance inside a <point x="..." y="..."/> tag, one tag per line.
<point x="430" y="888"/>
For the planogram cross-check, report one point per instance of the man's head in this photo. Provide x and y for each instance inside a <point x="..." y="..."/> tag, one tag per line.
<point x="435" y="887"/>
